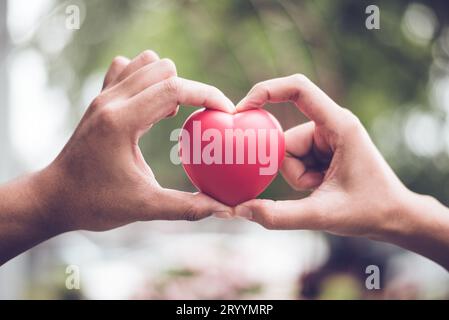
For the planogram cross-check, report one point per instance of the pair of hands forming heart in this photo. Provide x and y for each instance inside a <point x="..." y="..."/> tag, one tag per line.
<point x="101" y="181"/>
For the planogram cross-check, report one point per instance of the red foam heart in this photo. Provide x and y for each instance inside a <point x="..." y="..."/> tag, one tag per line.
<point x="231" y="157"/>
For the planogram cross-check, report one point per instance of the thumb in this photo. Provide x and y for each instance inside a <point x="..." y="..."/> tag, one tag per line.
<point x="283" y="215"/>
<point x="179" y="205"/>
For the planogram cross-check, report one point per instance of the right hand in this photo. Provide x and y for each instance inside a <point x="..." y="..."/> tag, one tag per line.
<point x="355" y="192"/>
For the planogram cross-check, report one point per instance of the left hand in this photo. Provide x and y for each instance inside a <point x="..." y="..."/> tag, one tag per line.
<point x="101" y="180"/>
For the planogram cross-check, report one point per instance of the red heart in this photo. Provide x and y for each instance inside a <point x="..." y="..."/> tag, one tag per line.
<point x="231" y="157"/>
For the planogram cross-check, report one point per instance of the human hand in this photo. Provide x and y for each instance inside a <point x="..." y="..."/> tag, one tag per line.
<point x="354" y="190"/>
<point x="101" y="180"/>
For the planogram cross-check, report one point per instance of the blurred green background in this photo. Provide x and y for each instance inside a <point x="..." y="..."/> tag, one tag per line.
<point x="384" y="76"/>
<point x="395" y="79"/>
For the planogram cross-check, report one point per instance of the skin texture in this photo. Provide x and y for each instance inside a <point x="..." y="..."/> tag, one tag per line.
<point x="355" y="192"/>
<point x="100" y="180"/>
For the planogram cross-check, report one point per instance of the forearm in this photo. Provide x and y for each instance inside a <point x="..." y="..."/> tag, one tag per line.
<point x="25" y="215"/>
<point x="423" y="227"/>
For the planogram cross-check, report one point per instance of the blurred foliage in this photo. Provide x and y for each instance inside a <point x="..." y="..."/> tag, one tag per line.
<point x="234" y="44"/>
<point x="384" y="76"/>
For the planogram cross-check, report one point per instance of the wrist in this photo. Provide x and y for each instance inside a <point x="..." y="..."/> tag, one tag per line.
<point x="26" y="217"/>
<point x="398" y="218"/>
<point x="411" y="217"/>
<point x="45" y="191"/>
<point x="421" y="225"/>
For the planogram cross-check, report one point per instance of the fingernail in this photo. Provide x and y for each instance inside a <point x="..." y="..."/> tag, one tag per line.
<point x="222" y="215"/>
<point x="244" y="212"/>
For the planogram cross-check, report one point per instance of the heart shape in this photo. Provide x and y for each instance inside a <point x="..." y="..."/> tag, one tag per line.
<point x="231" y="157"/>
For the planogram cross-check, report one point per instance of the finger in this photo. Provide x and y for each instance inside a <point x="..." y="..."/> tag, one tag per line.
<point x="292" y="169"/>
<point x="298" y="176"/>
<point x="145" y="77"/>
<point x="310" y="99"/>
<point x="143" y="59"/>
<point x="117" y="66"/>
<point x="161" y="99"/>
<point x="310" y="180"/>
<point x="179" y="205"/>
<point x="299" y="139"/>
<point x="300" y="166"/>
<point x="288" y="215"/>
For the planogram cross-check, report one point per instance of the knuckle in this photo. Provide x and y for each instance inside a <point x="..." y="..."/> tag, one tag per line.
<point x="350" y="123"/>
<point x="117" y="61"/>
<point x="269" y="222"/>
<point x="260" y="89"/>
<point x="267" y="213"/>
<point x="300" y="82"/>
<point x="171" y="86"/>
<point x="98" y="102"/>
<point x="148" y="56"/>
<point x="106" y="119"/>
<point x="300" y="79"/>
<point x="169" y="67"/>
<point x="192" y="213"/>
